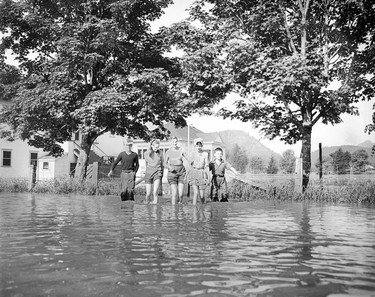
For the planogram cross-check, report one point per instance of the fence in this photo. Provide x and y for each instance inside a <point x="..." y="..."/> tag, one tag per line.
<point x="98" y="173"/>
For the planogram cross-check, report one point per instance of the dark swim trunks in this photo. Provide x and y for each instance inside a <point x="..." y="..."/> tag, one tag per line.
<point x="176" y="174"/>
<point x="153" y="174"/>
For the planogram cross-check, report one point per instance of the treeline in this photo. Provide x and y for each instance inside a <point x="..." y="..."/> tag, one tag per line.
<point x="339" y="162"/>
<point x="342" y="162"/>
<point x="239" y="159"/>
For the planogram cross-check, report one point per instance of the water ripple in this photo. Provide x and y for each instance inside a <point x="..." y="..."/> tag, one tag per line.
<point x="98" y="246"/>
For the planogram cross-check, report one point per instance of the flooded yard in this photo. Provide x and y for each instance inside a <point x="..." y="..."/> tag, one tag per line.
<point x="54" y="245"/>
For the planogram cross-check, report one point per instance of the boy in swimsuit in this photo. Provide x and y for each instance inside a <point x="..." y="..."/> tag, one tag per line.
<point x="218" y="182"/>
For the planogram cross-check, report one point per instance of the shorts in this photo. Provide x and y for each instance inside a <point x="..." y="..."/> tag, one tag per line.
<point x="152" y="175"/>
<point x="176" y="175"/>
<point x="219" y="185"/>
<point x="196" y="178"/>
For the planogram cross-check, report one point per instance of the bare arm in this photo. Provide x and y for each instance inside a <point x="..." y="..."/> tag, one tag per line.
<point x="114" y="164"/>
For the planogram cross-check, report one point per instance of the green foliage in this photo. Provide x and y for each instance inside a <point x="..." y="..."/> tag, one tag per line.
<point x="327" y="163"/>
<point x="9" y="81"/>
<point x="288" y="161"/>
<point x="282" y="57"/>
<point x="341" y="161"/>
<point x="238" y="159"/>
<point x="272" y="167"/>
<point x="14" y="185"/>
<point x="358" y="192"/>
<point x="359" y="160"/>
<point x="95" y="67"/>
<point x="256" y="165"/>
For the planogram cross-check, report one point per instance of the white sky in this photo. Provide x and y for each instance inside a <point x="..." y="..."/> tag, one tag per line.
<point x="350" y="131"/>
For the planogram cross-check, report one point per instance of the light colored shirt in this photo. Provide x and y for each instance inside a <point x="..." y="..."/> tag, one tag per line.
<point x="174" y="156"/>
<point x="156" y="161"/>
<point x="198" y="160"/>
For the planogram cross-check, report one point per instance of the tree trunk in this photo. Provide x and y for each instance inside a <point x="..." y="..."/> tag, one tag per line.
<point x="83" y="159"/>
<point x="306" y="156"/>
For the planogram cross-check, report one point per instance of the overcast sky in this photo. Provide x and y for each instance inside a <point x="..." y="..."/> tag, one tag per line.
<point x="350" y="131"/>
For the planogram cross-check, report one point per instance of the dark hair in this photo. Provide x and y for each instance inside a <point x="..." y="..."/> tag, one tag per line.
<point x="218" y="149"/>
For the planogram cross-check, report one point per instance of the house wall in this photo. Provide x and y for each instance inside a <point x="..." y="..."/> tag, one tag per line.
<point x="20" y="158"/>
<point x="43" y="172"/>
<point x="62" y="167"/>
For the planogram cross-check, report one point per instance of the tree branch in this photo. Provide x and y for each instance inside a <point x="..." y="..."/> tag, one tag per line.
<point x="284" y="16"/>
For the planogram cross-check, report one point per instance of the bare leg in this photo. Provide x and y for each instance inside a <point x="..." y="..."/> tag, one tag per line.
<point x="156" y="190"/>
<point x="174" y="193"/>
<point x="195" y="194"/>
<point x="148" y="192"/>
<point x="201" y="192"/>
<point x="180" y="192"/>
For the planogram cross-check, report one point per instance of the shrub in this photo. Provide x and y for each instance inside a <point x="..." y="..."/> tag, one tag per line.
<point x="14" y="185"/>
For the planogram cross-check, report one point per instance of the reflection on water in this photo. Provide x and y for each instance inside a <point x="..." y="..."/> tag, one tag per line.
<point x="99" y="246"/>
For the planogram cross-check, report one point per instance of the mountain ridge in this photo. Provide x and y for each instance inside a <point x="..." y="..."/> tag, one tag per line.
<point x="248" y="143"/>
<point x="351" y="148"/>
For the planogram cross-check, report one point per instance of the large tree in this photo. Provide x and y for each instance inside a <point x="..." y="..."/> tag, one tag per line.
<point x="288" y="161"/>
<point x="282" y="58"/>
<point x="359" y="160"/>
<point x="238" y="158"/>
<point x="92" y="67"/>
<point x="272" y="167"/>
<point x="10" y="77"/>
<point x="256" y="165"/>
<point x="341" y="161"/>
<point x="370" y="128"/>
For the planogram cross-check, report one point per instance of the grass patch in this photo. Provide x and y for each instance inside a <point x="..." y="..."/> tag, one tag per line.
<point x="356" y="191"/>
<point x="14" y="185"/>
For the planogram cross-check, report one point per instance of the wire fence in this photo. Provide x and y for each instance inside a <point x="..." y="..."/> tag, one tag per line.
<point x="263" y="180"/>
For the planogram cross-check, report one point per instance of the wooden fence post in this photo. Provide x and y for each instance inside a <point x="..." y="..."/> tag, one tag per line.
<point x="95" y="173"/>
<point x="298" y="176"/>
<point x="32" y="176"/>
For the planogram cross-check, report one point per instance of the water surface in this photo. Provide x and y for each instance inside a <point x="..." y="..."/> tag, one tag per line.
<point x="54" y="245"/>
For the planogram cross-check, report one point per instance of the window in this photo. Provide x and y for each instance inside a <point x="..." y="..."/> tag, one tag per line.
<point x="141" y="153"/>
<point x="7" y="158"/>
<point x="209" y="154"/>
<point x="76" y="136"/>
<point x="33" y="158"/>
<point x="45" y="165"/>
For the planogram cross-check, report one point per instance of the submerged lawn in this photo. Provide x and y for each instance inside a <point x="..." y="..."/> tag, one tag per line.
<point x="354" y="191"/>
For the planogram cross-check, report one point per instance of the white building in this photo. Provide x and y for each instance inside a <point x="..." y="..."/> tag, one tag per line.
<point x="17" y="156"/>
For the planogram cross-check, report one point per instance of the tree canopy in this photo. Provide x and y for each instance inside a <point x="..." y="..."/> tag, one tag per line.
<point x="283" y="58"/>
<point x="272" y="167"/>
<point x="238" y="158"/>
<point x="90" y="66"/>
<point x="359" y="160"/>
<point x="288" y="161"/>
<point x="341" y="161"/>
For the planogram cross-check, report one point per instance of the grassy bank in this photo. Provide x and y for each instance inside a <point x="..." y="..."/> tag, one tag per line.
<point x="354" y="192"/>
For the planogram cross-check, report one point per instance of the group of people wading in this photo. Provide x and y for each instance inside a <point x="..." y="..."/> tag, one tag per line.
<point x="197" y="173"/>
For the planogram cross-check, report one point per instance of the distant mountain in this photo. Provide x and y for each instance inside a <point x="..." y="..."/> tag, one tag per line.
<point x="366" y="143"/>
<point x="249" y="143"/>
<point x="326" y="151"/>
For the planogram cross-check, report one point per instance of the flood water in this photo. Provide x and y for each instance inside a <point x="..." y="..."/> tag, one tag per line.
<point x="99" y="246"/>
